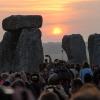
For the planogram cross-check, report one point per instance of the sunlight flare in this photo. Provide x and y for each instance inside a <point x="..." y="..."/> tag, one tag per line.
<point x="57" y="31"/>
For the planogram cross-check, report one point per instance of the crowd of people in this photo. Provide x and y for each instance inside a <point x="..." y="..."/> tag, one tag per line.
<point x="56" y="80"/>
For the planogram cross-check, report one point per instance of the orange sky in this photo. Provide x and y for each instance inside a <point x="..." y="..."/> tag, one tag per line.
<point x="70" y="16"/>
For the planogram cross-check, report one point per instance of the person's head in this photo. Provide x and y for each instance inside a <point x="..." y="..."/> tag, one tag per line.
<point x="95" y="67"/>
<point x="48" y="96"/>
<point x="22" y="94"/>
<point x="7" y="83"/>
<point x="46" y="60"/>
<point x="88" y="78"/>
<point x="28" y="75"/>
<point x="35" y="77"/>
<point x="4" y="76"/>
<point x="76" y="84"/>
<point x="18" y="83"/>
<point x="88" y="86"/>
<point x="53" y="79"/>
<point x="86" y="65"/>
<point x="78" y="67"/>
<point x="42" y="67"/>
<point x="98" y="81"/>
<point x="72" y="66"/>
<point x="87" y="92"/>
<point x="17" y="76"/>
<point x="56" y="61"/>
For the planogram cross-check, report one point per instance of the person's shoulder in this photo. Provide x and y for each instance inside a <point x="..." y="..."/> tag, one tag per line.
<point x="89" y="69"/>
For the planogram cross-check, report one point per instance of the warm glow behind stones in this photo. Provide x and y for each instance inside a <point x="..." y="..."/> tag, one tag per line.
<point x="57" y="31"/>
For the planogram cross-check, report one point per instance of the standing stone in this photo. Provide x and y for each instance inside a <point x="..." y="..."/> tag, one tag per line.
<point x="91" y="47"/>
<point x="1" y="68"/>
<point x="16" y="22"/>
<point x="94" y="49"/>
<point x="66" y="40"/>
<point x="29" y="51"/>
<point x="21" y="47"/>
<point x="75" y="48"/>
<point x="7" y="50"/>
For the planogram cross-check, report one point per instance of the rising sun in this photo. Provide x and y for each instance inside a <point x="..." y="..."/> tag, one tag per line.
<point x="57" y="31"/>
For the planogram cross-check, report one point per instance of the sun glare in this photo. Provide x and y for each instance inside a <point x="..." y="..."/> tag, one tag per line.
<point x="57" y="31"/>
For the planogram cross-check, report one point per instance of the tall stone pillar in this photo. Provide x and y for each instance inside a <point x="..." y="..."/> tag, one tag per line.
<point x="29" y="51"/>
<point x="94" y="49"/>
<point x="75" y="48"/>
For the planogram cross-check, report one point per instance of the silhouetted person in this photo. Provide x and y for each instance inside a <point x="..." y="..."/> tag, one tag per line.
<point x="85" y="70"/>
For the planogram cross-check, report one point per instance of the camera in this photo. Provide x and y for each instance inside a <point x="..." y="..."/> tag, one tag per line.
<point x="50" y="89"/>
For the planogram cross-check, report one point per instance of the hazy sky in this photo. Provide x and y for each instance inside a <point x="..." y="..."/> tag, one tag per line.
<point x="59" y="16"/>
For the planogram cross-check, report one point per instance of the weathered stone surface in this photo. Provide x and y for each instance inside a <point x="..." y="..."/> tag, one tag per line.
<point x="91" y="47"/>
<point x="94" y="49"/>
<point x="7" y="50"/>
<point x="1" y="57"/>
<point x="75" y="48"/>
<point x="66" y="45"/>
<point x="29" y="51"/>
<point x="16" y="22"/>
<point x="21" y="47"/>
